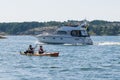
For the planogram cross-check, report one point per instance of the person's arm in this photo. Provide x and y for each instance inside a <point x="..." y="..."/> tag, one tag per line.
<point x="35" y="46"/>
<point x="43" y="50"/>
<point x="28" y="49"/>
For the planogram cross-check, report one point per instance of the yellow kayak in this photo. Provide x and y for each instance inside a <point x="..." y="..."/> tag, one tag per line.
<point x="53" y="54"/>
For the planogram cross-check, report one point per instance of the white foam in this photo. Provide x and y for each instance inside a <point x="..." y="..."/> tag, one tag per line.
<point x="37" y="42"/>
<point x="108" y="43"/>
<point x="72" y="44"/>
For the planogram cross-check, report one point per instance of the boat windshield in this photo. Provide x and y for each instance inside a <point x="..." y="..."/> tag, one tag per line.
<point x="78" y="33"/>
<point x="61" y="32"/>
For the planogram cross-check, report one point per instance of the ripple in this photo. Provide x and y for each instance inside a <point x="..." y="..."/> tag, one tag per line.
<point x="92" y="69"/>
<point x="64" y="70"/>
<point x="52" y="67"/>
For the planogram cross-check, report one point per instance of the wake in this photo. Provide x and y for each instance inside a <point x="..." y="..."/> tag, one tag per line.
<point x="108" y="43"/>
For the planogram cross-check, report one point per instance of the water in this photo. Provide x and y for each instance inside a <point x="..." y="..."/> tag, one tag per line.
<point x="100" y="61"/>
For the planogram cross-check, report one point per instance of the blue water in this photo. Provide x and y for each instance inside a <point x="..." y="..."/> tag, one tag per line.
<point x="100" y="61"/>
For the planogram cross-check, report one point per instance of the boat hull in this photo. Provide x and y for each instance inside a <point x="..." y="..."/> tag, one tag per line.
<point x="65" y="40"/>
<point x="54" y="54"/>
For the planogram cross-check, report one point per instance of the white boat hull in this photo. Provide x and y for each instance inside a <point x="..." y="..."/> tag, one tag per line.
<point x="65" y="40"/>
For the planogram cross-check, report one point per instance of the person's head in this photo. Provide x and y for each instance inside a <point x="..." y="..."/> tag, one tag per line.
<point x="30" y="45"/>
<point x="40" y="46"/>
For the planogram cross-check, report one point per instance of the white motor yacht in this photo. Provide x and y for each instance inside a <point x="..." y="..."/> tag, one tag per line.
<point x="68" y="35"/>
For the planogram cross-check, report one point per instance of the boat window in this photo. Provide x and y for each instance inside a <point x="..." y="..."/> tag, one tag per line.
<point x="76" y="33"/>
<point x="84" y="33"/>
<point x="61" y="32"/>
<point x="61" y="38"/>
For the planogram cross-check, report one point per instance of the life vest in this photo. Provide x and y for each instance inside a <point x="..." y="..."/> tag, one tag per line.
<point x="41" y="50"/>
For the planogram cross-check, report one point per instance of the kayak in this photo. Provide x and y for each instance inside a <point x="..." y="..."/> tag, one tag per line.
<point x="2" y="37"/>
<point x="53" y="54"/>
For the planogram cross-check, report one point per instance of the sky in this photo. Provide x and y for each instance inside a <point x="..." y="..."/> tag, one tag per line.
<point x="59" y="10"/>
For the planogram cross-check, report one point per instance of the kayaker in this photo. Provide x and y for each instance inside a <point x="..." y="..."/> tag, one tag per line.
<point x="30" y="50"/>
<point x="41" y="51"/>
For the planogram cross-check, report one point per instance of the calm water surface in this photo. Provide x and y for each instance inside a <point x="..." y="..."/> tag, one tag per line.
<point x="100" y="61"/>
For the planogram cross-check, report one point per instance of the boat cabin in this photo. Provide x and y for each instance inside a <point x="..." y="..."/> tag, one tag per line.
<point x="72" y="31"/>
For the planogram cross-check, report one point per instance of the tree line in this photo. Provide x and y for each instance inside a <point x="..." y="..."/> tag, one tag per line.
<point x="96" y="27"/>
